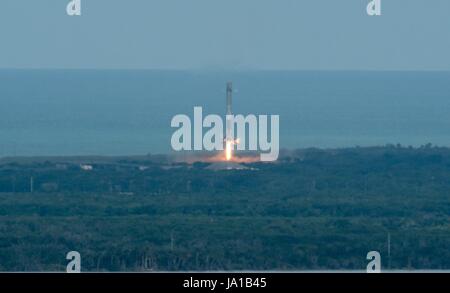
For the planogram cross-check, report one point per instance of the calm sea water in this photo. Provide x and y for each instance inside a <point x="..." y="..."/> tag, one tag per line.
<point x="94" y="112"/>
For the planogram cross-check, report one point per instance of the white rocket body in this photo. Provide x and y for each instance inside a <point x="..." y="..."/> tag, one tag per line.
<point x="229" y="124"/>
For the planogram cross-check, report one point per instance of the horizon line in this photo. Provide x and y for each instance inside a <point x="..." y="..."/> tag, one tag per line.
<point x="217" y="69"/>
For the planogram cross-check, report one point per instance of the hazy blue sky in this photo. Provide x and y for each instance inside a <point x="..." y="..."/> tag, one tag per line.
<point x="225" y="34"/>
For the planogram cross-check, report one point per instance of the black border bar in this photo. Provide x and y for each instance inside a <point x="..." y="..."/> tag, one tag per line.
<point x="285" y="282"/>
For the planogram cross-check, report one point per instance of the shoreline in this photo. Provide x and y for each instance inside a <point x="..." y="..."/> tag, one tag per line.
<point x="203" y="156"/>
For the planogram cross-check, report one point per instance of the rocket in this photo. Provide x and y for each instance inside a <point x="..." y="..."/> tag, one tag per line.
<point x="229" y="139"/>
<point x="229" y="93"/>
<point x="228" y="118"/>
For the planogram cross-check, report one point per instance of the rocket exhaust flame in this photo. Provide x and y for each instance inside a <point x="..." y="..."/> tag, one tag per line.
<point x="229" y="143"/>
<point x="228" y="151"/>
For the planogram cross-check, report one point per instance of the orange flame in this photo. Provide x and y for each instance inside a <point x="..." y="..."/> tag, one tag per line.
<point x="228" y="150"/>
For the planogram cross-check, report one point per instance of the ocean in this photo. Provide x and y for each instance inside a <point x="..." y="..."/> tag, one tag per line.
<point x="128" y="112"/>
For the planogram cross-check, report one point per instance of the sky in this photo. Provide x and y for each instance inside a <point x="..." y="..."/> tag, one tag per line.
<point x="226" y="35"/>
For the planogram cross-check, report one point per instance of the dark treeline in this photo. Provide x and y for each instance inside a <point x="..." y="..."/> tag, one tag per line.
<point x="313" y="209"/>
